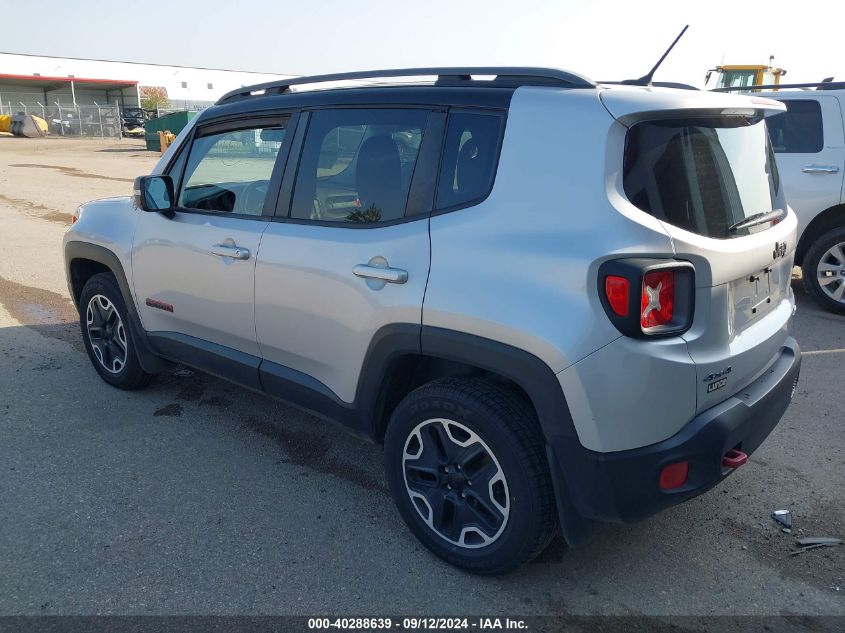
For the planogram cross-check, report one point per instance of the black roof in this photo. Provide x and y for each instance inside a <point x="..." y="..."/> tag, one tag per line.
<point x="432" y="96"/>
<point x="453" y="87"/>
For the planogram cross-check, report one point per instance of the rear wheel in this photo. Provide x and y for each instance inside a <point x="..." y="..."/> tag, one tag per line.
<point x="824" y="270"/>
<point x="106" y="333"/>
<point x="466" y="465"/>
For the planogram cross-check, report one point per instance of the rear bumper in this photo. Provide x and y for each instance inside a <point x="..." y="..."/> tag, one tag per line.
<point x="623" y="486"/>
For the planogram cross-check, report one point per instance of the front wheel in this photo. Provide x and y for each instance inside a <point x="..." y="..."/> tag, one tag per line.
<point x="466" y="466"/>
<point x="824" y="270"/>
<point x="107" y="336"/>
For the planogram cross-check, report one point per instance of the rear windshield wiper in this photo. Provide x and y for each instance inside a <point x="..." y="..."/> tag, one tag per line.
<point x="756" y="219"/>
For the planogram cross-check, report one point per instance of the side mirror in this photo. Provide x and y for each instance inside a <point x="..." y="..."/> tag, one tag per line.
<point x="154" y="193"/>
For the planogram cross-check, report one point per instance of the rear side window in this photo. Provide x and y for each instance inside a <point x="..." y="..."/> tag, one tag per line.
<point x="357" y="164"/>
<point x="708" y="175"/>
<point x="799" y="129"/>
<point x="470" y="155"/>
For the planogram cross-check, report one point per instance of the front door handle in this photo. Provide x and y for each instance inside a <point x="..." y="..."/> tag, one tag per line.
<point x="390" y="275"/>
<point x="820" y="169"/>
<point x="227" y="250"/>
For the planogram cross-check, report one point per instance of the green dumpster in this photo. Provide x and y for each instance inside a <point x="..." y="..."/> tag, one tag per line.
<point x="174" y="122"/>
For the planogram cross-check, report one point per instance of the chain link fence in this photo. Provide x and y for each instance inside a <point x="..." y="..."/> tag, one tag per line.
<point x="181" y="106"/>
<point x="101" y="121"/>
<point x="86" y="120"/>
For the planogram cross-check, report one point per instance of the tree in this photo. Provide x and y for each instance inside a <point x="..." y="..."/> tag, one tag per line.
<point x="371" y="215"/>
<point x="153" y="97"/>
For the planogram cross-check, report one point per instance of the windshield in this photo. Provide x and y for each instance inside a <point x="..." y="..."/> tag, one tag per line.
<point x="706" y="175"/>
<point x="737" y="78"/>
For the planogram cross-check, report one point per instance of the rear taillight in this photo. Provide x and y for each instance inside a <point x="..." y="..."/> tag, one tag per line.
<point x="657" y="301"/>
<point x="648" y="297"/>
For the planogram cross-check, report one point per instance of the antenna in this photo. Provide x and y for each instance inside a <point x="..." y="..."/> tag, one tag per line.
<point x="645" y="80"/>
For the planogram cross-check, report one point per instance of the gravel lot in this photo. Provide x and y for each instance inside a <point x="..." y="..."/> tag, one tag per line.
<point x="198" y="497"/>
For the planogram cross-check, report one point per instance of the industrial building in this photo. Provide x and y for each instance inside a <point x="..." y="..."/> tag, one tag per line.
<point x="38" y="81"/>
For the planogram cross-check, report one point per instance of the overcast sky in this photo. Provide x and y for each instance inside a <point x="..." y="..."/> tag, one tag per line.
<point x="603" y="40"/>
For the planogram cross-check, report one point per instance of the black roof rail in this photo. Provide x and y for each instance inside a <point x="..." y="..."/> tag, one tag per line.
<point x="819" y="85"/>
<point x="654" y="84"/>
<point x="509" y="75"/>
<point x="673" y="84"/>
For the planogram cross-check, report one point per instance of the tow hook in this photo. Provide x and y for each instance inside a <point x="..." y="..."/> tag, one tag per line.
<point x="734" y="458"/>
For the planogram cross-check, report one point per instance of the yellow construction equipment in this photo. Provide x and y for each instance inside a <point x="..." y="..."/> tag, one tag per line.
<point x="747" y="76"/>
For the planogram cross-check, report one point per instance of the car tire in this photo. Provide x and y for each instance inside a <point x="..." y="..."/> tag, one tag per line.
<point x="104" y="320"/>
<point x="439" y="438"/>
<point x="824" y="270"/>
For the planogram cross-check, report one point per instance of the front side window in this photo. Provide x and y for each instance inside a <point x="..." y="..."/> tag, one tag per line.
<point x="357" y="164"/>
<point x="799" y="129"/>
<point x="229" y="172"/>
<point x="712" y="176"/>
<point x="469" y="160"/>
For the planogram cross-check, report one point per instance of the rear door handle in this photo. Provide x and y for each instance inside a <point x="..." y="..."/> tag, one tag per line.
<point x="820" y="169"/>
<point x="387" y="274"/>
<point x="225" y="250"/>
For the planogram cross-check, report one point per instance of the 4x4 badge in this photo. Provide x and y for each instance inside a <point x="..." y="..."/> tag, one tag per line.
<point x="780" y="250"/>
<point x="717" y="374"/>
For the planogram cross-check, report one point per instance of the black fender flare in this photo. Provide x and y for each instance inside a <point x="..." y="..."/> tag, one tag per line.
<point x="74" y="250"/>
<point x="540" y="383"/>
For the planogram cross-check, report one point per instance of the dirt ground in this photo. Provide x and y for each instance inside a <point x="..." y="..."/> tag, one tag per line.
<point x="195" y="496"/>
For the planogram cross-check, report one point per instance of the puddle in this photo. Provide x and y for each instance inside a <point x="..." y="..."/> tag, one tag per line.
<point x="37" y="210"/>
<point x="72" y="171"/>
<point x="48" y="313"/>
<point x="312" y="452"/>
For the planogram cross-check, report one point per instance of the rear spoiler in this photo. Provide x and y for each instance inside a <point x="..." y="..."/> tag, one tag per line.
<point x="636" y="104"/>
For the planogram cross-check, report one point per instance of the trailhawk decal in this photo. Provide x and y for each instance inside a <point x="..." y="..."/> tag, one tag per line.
<point x="161" y="305"/>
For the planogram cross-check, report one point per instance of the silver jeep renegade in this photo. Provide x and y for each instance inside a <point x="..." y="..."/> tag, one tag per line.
<point x="555" y="302"/>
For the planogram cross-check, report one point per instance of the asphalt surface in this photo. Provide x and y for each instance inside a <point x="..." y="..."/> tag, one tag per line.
<point x="194" y="496"/>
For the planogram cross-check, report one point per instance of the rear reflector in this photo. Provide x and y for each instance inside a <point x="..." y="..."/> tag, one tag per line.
<point x="674" y="475"/>
<point x="658" y="298"/>
<point x="616" y="290"/>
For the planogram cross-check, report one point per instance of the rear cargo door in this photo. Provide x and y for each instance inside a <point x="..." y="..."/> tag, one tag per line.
<point x="711" y="179"/>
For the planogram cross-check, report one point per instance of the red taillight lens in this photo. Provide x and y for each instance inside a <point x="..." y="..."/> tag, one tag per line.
<point x="616" y="291"/>
<point x="674" y="475"/>
<point x="646" y="298"/>
<point x="658" y="298"/>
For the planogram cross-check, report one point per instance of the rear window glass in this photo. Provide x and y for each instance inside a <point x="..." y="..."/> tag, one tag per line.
<point x="709" y="175"/>
<point x="799" y="129"/>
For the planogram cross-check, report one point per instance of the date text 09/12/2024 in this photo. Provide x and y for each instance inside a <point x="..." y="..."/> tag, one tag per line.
<point x="417" y="624"/>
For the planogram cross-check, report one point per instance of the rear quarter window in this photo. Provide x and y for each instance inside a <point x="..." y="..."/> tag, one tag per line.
<point x="470" y="156"/>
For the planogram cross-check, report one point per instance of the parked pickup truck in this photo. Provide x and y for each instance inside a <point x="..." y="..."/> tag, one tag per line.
<point x="809" y="144"/>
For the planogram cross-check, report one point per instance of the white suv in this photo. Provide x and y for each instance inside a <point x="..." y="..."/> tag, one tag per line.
<point x="554" y="302"/>
<point x="809" y="144"/>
